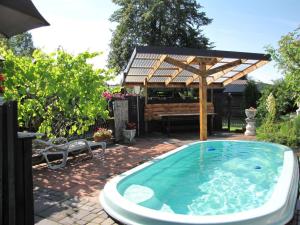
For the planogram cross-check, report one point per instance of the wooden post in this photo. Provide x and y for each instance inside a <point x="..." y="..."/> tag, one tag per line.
<point x="203" y="104"/>
<point x="229" y="97"/>
<point x="146" y="102"/>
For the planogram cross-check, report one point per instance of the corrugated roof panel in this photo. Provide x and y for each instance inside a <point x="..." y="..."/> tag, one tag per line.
<point x="148" y="56"/>
<point x="220" y="80"/>
<point x="241" y="67"/>
<point x="143" y="63"/>
<point x="217" y="65"/>
<point x="164" y="72"/>
<point x="157" y="79"/>
<point x="186" y="73"/>
<point x="180" y="79"/>
<point x="252" y="61"/>
<point x="138" y="71"/>
<point x="134" y="79"/>
<point x="180" y="57"/>
<point x="167" y="65"/>
<point x="227" y="60"/>
<point x="230" y="74"/>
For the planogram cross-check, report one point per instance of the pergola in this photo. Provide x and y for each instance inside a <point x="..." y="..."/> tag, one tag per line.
<point x="189" y="67"/>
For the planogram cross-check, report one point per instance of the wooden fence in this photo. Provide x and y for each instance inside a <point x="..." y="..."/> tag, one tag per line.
<point x="16" y="189"/>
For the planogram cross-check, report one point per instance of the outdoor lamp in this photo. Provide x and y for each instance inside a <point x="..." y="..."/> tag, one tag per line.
<point x="137" y="90"/>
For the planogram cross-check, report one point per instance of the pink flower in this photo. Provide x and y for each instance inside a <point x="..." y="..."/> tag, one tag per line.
<point x="107" y="95"/>
<point x="2" y="77"/>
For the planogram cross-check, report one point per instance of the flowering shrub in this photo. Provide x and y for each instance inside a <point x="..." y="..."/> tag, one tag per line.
<point x="107" y="95"/>
<point x="115" y="96"/>
<point x="102" y="133"/>
<point x="2" y="79"/>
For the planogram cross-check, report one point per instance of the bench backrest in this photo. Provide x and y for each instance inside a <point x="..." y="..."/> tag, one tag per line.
<point x="153" y="111"/>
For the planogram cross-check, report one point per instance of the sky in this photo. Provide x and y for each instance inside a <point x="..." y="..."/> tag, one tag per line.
<point x="245" y="26"/>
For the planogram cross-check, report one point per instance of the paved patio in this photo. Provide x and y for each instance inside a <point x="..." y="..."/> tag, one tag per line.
<point x="70" y="195"/>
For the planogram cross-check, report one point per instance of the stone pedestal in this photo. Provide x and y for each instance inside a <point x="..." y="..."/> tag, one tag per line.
<point x="250" y="127"/>
<point x="250" y="120"/>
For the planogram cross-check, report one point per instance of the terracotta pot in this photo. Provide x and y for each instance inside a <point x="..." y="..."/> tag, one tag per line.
<point x="99" y="139"/>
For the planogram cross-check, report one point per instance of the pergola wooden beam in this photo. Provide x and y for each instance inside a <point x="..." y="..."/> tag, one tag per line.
<point x="156" y="66"/>
<point x="245" y="72"/>
<point x="203" y="104"/>
<point x="206" y="60"/>
<point x="171" y="85"/>
<point x="183" y="66"/>
<point x="215" y="70"/>
<point x="175" y="74"/>
<point x="221" y="73"/>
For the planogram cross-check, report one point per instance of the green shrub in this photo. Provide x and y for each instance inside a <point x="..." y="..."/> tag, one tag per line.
<point x="283" y="132"/>
<point x="58" y="94"/>
<point x="285" y="102"/>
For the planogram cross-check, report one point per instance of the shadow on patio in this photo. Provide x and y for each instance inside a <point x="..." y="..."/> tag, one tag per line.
<point x="70" y="195"/>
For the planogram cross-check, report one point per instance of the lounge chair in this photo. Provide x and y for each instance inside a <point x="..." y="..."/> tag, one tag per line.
<point x="61" y="146"/>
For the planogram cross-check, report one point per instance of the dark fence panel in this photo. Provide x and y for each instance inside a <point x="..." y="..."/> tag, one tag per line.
<point x="136" y="107"/>
<point x="218" y="101"/>
<point x="16" y="170"/>
<point x="233" y="110"/>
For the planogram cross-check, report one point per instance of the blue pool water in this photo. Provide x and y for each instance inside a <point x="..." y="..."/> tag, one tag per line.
<point x="208" y="178"/>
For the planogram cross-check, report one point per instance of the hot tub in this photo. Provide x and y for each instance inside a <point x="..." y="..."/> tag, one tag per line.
<point x="211" y="182"/>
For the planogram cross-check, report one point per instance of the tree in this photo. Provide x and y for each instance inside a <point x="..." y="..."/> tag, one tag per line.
<point x="20" y="44"/>
<point x="251" y="94"/>
<point x="287" y="57"/>
<point x="176" y="23"/>
<point x="284" y="103"/>
<point x="58" y="94"/>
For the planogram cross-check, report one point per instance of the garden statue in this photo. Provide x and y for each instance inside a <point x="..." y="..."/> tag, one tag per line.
<point x="250" y="120"/>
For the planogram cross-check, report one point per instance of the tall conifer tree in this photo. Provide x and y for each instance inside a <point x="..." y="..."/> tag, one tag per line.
<point x="176" y="23"/>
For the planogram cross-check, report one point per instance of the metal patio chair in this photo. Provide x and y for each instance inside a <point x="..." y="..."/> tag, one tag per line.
<point x="61" y="146"/>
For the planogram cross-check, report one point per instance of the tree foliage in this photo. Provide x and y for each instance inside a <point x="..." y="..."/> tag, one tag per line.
<point x="287" y="57"/>
<point x="156" y="23"/>
<point x="284" y="103"/>
<point x="251" y="94"/>
<point x="20" y="44"/>
<point x="58" y="94"/>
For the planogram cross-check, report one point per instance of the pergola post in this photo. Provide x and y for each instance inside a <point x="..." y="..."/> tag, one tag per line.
<point x="203" y="104"/>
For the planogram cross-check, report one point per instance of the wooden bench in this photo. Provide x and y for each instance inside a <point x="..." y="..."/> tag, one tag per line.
<point x="169" y="112"/>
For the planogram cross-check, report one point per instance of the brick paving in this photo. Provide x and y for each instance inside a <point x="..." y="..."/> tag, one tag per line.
<point x="70" y="195"/>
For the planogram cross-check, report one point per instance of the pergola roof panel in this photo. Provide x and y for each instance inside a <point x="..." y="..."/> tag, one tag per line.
<point x="143" y="63"/>
<point x="242" y="67"/>
<point x="218" y="64"/>
<point x="135" y="79"/>
<point x="138" y="71"/>
<point x="167" y="65"/>
<point x="160" y="72"/>
<point x="230" y="74"/>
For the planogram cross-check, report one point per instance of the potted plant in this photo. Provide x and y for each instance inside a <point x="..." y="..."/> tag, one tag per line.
<point x="129" y="132"/>
<point x="102" y="134"/>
